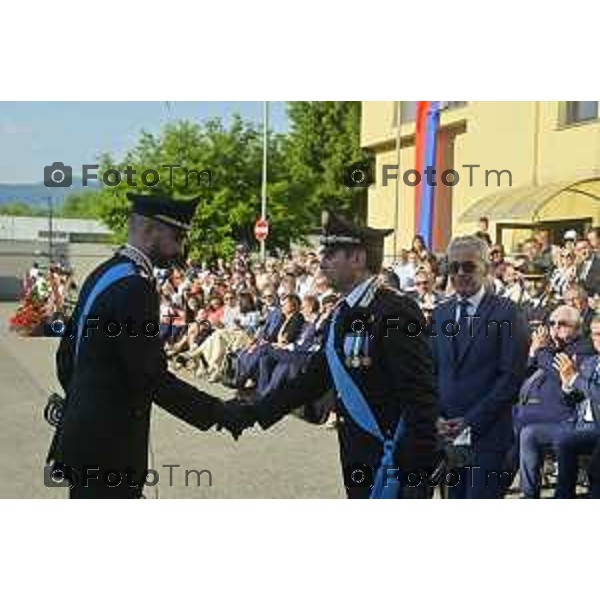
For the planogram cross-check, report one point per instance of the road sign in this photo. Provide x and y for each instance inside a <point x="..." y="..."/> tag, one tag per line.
<point x="261" y="229"/>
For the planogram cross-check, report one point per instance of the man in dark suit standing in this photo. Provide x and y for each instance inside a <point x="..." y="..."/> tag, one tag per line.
<point x="588" y="267"/>
<point x="112" y="366"/>
<point x="288" y="328"/>
<point x="539" y="303"/>
<point x="285" y="360"/>
<point x="248" y="359"/>
<point x="479" y="370"/>
<point x="382" y="375"/>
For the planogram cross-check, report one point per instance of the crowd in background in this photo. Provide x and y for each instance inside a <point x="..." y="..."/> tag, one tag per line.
<point x="538" y="277"/>
<point x="242" y="307"/>
<point x="250" y="325"/>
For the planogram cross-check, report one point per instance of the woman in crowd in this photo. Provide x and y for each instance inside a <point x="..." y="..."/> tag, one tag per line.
<point x="512" y="285"/>
<point x="215" y="310"/>
<point x="565" y="273"/>
<point x="419" y="247"/>
<point x="209" y="356"/>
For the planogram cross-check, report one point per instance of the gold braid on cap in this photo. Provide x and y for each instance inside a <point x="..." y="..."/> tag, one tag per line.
<point x="171" y="221"/>
<point x="327" y="240"/>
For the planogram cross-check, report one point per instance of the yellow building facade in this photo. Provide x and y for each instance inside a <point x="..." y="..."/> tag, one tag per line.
<point x="538" y="167"/>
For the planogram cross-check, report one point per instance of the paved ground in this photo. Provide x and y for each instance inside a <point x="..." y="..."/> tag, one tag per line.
<point x="291" y="460"/>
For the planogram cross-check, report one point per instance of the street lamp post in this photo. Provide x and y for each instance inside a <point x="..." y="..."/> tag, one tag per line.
<point x="50" y="233"/>
<point x="263" y="203"/>
<point x="397" y="189"/>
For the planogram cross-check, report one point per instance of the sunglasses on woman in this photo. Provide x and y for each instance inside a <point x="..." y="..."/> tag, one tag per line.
<point x="559" y="324"/>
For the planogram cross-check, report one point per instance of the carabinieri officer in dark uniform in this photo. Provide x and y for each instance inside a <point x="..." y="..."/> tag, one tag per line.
<point x="110" y="380"/>
<point x="381" y="371"/>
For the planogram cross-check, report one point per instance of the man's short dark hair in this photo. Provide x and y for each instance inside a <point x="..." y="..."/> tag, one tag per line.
<point x="595" y="230"/>
<point x="294" y="298"/>
<point x="390" y="278"/>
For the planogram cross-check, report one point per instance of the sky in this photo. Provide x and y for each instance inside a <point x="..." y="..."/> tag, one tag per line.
<point x="35" y="134"/>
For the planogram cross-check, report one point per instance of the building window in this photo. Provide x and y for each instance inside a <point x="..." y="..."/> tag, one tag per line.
<point x="576" y="112"/>
<point x="56" y="235"/>
<point x="93" y="238"/>
<point x="452" y="104"/>
<point x="408" y="110"/>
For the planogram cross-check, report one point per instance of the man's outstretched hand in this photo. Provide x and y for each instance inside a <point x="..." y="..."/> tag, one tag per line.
<point x="237" y="415"/>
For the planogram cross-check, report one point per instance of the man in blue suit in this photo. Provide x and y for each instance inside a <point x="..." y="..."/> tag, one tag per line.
<point x="582" y="388"/>
<point x="479" y="370"/>
<point x="249" y="358"/>
<point x="281" y="364"/>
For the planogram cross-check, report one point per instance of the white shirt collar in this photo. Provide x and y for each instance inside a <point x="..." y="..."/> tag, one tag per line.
<point x="475" y="299"/>
<point x="358" y="291"/>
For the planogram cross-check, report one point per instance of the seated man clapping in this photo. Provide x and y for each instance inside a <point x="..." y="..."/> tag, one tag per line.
<point x="582" y="388"/>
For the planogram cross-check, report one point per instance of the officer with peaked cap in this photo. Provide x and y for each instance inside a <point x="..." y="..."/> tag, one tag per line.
<point x="112" y="366"/>
<point x="382" y="374"/>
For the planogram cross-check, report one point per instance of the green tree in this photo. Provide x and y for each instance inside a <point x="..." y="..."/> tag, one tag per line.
<point x="324" y="139"/>
<point x="231" y="204"/>
<point x="305" y="175"/>
<point x="81" y="205"/>
<point x="18" y="208"/>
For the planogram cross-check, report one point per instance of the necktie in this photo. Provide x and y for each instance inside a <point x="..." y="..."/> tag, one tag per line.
<point x="585" y="270"/>
<point x="462" y="338"/>
<point x="596" y="375"/>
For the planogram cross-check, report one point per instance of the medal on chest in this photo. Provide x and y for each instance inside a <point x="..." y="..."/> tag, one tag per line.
<point x="356" y="350"/>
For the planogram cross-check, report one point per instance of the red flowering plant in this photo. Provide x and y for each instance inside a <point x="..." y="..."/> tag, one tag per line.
<point x="31" y="312"/>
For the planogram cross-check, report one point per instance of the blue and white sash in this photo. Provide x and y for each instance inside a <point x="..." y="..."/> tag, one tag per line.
<point x="358" y="408"/>
<point x="112" y="275"/>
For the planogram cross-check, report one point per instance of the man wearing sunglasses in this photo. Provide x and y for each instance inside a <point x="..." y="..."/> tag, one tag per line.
<point x="112" y="365"/>
<point x="480" y="350"/>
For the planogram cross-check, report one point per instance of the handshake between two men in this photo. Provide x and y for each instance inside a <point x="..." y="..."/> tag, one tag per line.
<point x="235" y="416"/>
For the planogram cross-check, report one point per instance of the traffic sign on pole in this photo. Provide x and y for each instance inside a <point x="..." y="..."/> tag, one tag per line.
<point x="261" y="230"/>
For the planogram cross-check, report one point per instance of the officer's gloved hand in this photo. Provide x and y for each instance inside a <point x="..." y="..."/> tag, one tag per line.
<point x="237" y="415"/>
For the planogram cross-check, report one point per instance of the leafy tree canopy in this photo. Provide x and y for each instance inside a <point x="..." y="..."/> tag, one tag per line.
<point x="305" y="175"/>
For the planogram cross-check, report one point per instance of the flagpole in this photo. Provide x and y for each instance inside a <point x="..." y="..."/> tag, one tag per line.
<point x="397" y="191"/>
<point x="263" y="204"/>
<point x="428" y="121"/>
